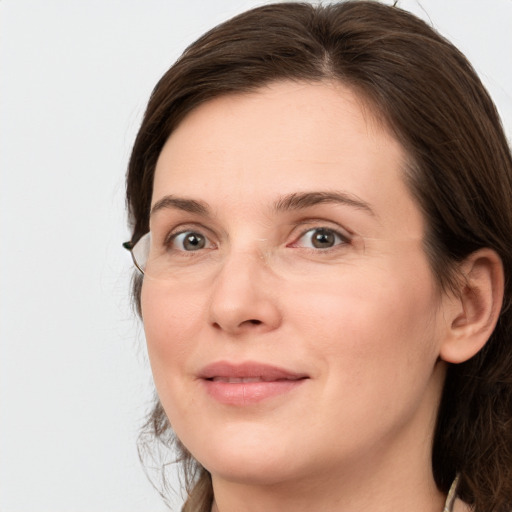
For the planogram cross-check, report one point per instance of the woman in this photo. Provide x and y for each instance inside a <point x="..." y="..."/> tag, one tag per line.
<point x="321" y="207"/>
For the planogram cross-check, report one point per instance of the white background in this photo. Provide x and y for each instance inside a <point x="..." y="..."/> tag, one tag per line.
<point x="74" y="379"/>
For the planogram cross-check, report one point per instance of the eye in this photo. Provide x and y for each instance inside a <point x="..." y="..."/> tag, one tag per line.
<point x="189" y="241"/>
<point x="321" y="238"/>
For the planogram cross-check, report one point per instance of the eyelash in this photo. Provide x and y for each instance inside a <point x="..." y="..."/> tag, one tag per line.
<point x="171" y="238"/>
<point x="340" y="239"/>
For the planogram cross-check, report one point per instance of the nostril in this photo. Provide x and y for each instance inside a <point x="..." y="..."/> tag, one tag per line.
<point x="216" y="325"/>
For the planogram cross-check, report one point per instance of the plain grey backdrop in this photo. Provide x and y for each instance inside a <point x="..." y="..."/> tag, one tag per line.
<point x="74" y="379"/>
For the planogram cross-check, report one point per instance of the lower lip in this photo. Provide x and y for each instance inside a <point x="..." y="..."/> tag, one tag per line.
<point x="247" y="393"/>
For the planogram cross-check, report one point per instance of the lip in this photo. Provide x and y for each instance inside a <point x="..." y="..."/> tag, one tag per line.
<point x="249" y="382"/>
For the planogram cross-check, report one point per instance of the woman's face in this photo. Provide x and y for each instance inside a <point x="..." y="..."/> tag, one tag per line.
<point x="292" y="320"/>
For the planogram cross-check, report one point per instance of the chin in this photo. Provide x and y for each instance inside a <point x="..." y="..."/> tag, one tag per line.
<point x="247" y="459"/>
<point x="253" y="471"/>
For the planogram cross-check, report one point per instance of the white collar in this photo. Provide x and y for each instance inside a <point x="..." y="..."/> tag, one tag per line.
<point x="452" y="496"/>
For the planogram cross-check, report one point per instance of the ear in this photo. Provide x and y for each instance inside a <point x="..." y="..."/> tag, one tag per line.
<point x="475" y="311"/>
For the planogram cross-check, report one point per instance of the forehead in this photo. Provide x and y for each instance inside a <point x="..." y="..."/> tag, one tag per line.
<point x="300" y="118"/>
<point x="284" y="138"/>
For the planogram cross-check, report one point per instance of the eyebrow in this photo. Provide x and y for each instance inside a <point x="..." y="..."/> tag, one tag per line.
<point x="178" y="203"/>
<point x="289" y="202"/>
<point x="302" y="200"/>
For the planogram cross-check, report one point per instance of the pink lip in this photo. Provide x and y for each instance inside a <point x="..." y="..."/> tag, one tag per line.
<point x="248" y="383"/>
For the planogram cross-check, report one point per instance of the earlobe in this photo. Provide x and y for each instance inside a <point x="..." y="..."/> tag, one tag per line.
<point x="476" y="310"/>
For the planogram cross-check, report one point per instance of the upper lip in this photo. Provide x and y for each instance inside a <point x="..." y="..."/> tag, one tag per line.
<point x="248" y="370"/>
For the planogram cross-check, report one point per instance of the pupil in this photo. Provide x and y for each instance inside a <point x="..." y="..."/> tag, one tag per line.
<point x="323" y="239"/>
<point x="193" y="242"/>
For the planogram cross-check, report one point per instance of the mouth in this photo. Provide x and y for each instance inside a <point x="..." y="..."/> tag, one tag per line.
<point x="248" y="383"/>
<point x="237" y="380"/>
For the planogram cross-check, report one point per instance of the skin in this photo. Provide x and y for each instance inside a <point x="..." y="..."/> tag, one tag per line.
<point x="364" y="319"/>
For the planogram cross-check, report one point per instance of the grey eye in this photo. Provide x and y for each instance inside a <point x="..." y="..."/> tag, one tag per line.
<point x="321" y="238"/>
<point x="190" y="241"/>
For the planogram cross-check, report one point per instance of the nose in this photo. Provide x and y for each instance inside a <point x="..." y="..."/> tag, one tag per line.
<point x="244" y="296"/>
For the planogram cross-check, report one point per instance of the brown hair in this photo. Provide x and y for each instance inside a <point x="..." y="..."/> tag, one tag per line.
<point x="460" y="172"/>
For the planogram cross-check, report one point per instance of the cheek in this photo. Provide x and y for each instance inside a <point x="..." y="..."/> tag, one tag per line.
<point x="375" y="346"/>
<point x="172" y="324"/>
<point x="373" y="319"/>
